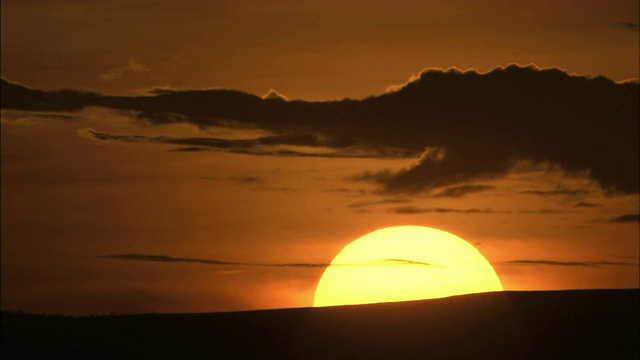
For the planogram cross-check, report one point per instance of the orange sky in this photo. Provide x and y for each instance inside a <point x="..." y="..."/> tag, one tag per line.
<point x="313" y="50"/>
<point x="73" y="191"/>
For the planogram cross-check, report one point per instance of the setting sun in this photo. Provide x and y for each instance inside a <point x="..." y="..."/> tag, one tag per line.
<point x="404" y="263"/>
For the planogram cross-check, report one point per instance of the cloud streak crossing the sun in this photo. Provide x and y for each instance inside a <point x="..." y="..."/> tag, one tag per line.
<point x="172" y="259"/>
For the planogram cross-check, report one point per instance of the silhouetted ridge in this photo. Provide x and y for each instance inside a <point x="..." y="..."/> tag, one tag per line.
<point x="580" y="324"/>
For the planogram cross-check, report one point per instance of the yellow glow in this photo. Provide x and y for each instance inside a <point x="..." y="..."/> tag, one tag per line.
<point x="404" y="263"/>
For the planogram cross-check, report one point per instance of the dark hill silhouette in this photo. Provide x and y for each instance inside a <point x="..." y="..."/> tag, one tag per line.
<point x="577" y="324"/>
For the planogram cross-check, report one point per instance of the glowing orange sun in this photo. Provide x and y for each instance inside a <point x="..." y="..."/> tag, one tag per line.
<point x="404" y="263"/>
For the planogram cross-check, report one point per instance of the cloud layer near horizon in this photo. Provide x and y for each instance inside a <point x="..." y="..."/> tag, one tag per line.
<point x="569" y="263"/>
<point x="380" y="262"/>
<point x="173" y="259"/>
<point x="468" y="126"/>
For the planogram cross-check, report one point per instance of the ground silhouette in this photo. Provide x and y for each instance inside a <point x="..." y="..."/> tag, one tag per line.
<point x="504" y="325"/>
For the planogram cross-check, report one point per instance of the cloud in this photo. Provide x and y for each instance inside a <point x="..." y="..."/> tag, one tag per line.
<point x="585" y="204"/>
<point x="246" y="179"/>
<point x="630" y="81"/>
<point x="462" y="190"/>
<point x="362" y="204"/>
<point x="557" y="192"/>
<point x="347" y="191"/>
<point x="20" y="97"/>
<point x="372" y="176"/>
<point x="302" y="145"/>
<point x="468" y="126"/>
<point x="132" y="66"/>
<point x="274" y="95"/>
<point x="172" y="259"/>
<point x="627" y="218"/>
<point x="569" y="263"/>
<point x="432" y="171"/>
<point x="631" y="26"/>
<point x="543" y="211"/>
<point x="394" y="88"/>
<point x="190" y="149"/>
<point x="12" y="115"/>
<point x="417" y="210"/>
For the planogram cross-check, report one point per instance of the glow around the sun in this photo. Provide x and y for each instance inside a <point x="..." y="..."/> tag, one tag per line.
<point x="404" y="263"/>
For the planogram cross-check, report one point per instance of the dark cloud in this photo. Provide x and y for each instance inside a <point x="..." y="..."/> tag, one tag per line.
<point x="543" y="211"/>
<point x="569" y="263"/>
<point x="172" y="259"/>
<point x="557" y="192"/>
<point x="417" y="210"/>
<point x="372" y="176"/>
<point x="474" y="126"/>
<point x="631" y="81"/>
<point x="362" y="204"/>
<point x="20" y="115"/>
<point x="349" y="192"/>
<point x="246" y="179"/>
<point x="282" y="189"/>
<point x="164" y="258"/>
<point x="462" y="190"/>
<point x="20" y="97"/>
<point x="268" y="145"/>
<point x="585" y="204"/>
<point x="409" y="210"/>
<point x="632" y="26"/>
<point x="437" y="168"/>
<point x="407" y="262"/>
<point x="627" y="218"/>
<point x="513" y="118"/>
<point x="190" y="149"/>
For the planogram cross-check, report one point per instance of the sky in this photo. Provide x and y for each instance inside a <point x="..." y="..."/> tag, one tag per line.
<point x="192" y="156"/>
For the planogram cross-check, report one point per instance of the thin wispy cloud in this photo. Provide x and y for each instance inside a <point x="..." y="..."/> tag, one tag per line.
<point x="189" y="149"/>
<point x="417" y="210"/>
<point x="585" y="204"/>
<point x="363" y="204"/>
<point x="543" y="211"/>
<point x="246" y="179"/>
<point x="172" y="259"/>
<point x="461" y="191"/>
<point x="557" y="192"/>
<point x="295" y="145"/>
<point x="132" y="66"/>
<point x="569" y="263"/>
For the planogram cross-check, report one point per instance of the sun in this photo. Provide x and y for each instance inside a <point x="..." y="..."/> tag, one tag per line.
<point x="403" y="263"/>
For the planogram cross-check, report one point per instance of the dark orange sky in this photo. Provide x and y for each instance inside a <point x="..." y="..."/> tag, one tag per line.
<point x="539" y="164"/>
<point x="313" y="50"/>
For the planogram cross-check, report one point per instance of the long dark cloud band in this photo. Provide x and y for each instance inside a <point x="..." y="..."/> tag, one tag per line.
<point x="172" y="259"/>
<point x="277" y="145"/>
<point x="379" y="262"/>
<point x="474" y="126"/>
<point x="569" y="263"/>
